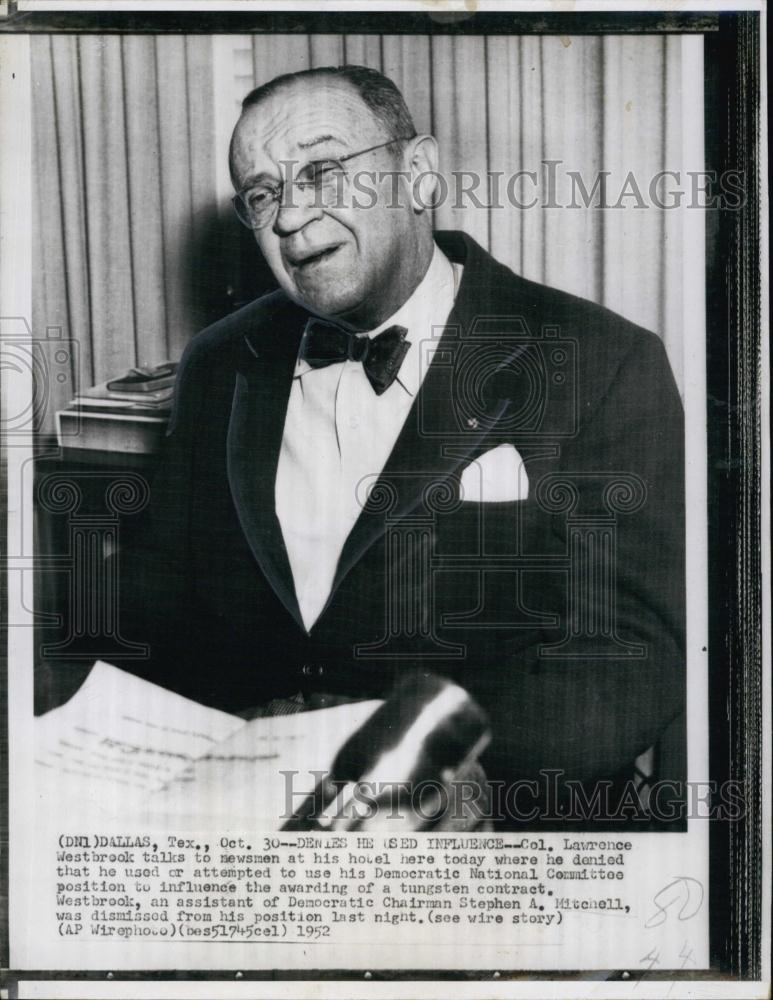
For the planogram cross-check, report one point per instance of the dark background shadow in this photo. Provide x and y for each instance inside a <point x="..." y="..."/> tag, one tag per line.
<point x="224" y="268"/>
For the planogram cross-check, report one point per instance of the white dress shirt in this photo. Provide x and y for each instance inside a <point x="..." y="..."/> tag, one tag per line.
<point x="338" y="435"/>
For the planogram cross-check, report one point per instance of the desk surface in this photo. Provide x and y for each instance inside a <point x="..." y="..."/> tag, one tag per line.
<point x="81" y="458"/>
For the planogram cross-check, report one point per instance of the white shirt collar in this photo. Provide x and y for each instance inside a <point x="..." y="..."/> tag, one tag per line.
<point x="423" y="314"/>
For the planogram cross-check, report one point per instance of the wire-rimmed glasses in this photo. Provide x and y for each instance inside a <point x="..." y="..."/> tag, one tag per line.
<point x="257" y="204"/>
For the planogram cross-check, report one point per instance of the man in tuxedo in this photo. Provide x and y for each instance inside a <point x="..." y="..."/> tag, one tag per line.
<point x="409" y="458"/>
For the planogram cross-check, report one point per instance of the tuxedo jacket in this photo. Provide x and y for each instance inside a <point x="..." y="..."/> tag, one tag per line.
<point x="561" y="611"/>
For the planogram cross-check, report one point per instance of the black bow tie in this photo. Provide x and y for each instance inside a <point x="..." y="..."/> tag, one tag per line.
<point x="381" y="356"/>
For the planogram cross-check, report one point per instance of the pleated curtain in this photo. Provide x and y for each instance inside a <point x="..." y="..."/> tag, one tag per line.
<point x="135" y="248"/>
<point x="123" y="164"/>
<point x="504" y="104"/>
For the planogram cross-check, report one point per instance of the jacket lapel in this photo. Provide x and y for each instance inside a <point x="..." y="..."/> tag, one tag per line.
<point x="434" y="445"/>
<point x="261" y="393"/>
<point x="425" y="462"/>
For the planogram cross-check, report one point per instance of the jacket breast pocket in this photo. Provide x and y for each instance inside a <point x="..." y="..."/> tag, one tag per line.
<point x="498" y="569"/>
<point x="479" y="528"/>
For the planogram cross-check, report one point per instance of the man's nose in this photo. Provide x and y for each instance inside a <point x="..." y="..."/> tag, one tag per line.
<point x="295" y="210"/>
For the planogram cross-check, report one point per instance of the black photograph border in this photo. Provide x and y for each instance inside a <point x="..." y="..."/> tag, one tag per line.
<point x="735" y="388"/>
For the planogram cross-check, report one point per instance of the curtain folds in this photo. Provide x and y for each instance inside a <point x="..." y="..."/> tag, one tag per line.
<point x="123" y="162"/>
<point x="136" y="251"/>
<point x="563" y="111"/>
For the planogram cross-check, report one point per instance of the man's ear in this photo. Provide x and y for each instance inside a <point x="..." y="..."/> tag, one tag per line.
<point x="422" y="162"/>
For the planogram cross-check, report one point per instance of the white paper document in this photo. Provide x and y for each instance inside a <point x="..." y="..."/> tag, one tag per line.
<point x="123" y="746"/>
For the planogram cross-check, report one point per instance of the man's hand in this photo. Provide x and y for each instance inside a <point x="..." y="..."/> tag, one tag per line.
<point x="408" y="766"/>
<point x="456" y="802"/>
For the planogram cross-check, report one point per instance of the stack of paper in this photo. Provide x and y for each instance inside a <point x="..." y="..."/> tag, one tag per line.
<point x="123" y="748"/>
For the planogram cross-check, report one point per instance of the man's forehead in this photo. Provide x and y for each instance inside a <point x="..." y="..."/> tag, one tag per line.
<point x="305" y="113"/>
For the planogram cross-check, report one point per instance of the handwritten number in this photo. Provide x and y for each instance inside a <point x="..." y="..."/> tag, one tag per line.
<point x="688" y="892"/>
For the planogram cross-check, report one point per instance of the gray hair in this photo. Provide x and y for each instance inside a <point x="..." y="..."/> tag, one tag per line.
<point x="377" y="91"/>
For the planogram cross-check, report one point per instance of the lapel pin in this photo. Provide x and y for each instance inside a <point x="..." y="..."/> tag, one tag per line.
<point x="472" y="423"/>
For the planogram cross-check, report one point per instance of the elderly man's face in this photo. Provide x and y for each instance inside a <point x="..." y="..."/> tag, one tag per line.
<point x="354" y="262"/>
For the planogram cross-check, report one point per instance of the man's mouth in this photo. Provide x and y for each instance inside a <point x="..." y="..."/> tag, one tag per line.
<point x="314" y="256"/>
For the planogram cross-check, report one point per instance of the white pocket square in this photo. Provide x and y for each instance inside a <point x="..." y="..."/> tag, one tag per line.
<point x="495" y="476"/>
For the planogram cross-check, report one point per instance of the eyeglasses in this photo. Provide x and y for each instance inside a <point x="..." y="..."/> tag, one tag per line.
<point x="257" y="204"/>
